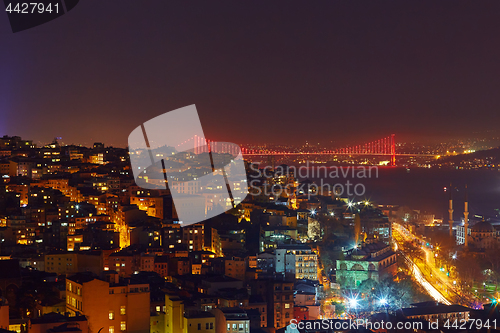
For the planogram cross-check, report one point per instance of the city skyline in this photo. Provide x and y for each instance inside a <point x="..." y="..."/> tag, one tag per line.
<point x="249" y="167"/>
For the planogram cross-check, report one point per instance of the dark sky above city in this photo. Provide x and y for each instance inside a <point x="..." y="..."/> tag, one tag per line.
<point x="258" y="71"/>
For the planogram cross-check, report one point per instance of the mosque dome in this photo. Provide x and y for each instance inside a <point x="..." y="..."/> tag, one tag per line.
<point x="483" y="226"/>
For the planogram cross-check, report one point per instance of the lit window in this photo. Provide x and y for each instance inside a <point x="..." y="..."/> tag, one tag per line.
<point x="111" y="315"/>
<point x="111" y="329"/>
<point x="287" y="306"/>
<point x="123" y="326"/>
<point x="158" y="308"/>
<point x="122" y="310"/>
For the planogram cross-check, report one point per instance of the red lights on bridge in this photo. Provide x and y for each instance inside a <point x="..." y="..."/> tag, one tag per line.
<point x="384" y="146"/>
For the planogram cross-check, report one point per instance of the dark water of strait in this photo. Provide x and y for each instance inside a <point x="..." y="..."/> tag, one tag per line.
<point x="423" y="189"/>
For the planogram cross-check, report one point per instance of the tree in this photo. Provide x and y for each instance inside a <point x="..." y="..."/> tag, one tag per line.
<point x="329" y="258"/>
<point x="397" y="295"/>
<point x="469" y="270"/>
<point x="367" y="286"/>
<point x="491" y="256"/>
<point x="442" y="239"/>
<point x="329" y="227"/>
<point x="339" y="308"/>
<point x="404" y="214"/>
<point x="314" y="229"/>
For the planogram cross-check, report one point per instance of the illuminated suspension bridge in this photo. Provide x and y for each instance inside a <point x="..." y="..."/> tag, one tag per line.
<point x="382" y="147"/>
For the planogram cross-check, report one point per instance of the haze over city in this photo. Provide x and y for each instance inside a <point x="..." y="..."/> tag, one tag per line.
<point x="281" y="72"/>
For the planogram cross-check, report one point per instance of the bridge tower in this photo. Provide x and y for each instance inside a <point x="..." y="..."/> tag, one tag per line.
<point x="393" y="150"/>
<point x="271" y="161"/>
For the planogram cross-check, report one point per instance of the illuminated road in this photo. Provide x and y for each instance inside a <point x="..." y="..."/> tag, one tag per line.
<point x="443" y="282"/>
<point x="420" y="277"/>
<point x="429" y="288"/>
<point x="429" y="257"/>
<point x="444" y="279"/>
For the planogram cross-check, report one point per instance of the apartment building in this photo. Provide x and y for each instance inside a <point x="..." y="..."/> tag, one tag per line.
<point x="111" y="304"/>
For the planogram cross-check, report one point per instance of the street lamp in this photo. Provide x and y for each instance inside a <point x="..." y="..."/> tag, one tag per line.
<point x="353" y="303"/>
<point x="383" y="301"/>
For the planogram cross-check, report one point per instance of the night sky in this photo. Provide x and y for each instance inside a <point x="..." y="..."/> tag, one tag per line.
<point x="258" y="71"/>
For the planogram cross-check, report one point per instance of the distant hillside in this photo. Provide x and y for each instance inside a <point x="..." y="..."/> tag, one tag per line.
<point x="481" y="158"/>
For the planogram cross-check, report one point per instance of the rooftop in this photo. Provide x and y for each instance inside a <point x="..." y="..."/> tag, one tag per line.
<point x="81" y="278"/>
<point x="65" y="328"/>
<point x="200" y="314"/>
<point x="483" y="226"/>
<point x="56" y="318"/>
<point x="434" y="309"/>
<point x="219" y="278"/>
<point x="234" y="313"/>
<point x="294" y="247"/>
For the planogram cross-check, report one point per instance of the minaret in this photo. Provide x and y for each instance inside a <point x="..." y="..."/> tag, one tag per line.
<point x="466" y="219"/>
<point x="450" y="211"/>
<point x="357" y="229"/>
